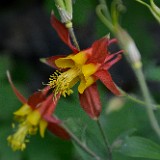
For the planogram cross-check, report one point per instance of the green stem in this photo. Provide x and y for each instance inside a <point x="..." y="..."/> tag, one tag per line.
<point x="81" y="144"/>
<point x="135" y="99"/>
<point x="71" y="32"/>
<point x="105" y="140"/>
<point x="106" y="10"/>
<point x="99" y="10"/>
<point x="147" y="99"/>
<point x="59" y="3"/>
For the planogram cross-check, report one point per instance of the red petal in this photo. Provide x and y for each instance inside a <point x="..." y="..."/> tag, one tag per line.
<point x="62" y="32"/>
<point x="90" y="101"/>
<point x="111" y="63"/>
<point x="114" y="40"/>
<point x="52" y="105"/>
<point x="38" y="97"/>
<point x="99" y="51"/>
<point x="112" y="56"/>
<point x="35" y="99"/>
<point x="17" y="93"/>
<point x="51" y="60"/>
<point x="57" y="130"/>
<point x="106" y="79"/>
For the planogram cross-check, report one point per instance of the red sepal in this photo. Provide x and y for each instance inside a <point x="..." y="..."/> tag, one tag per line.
<point x="51" y="60"/>
<point x="106" y="79"/>
<point x="111" y="41"/>
<point x="51" y="105"/>
<point x="17" y="93"/>
<point x="90" y="101"/>
<point x="62" y="32"/>
<point x="112" y="56"/>
<point x="99" y="51"/>
<point x="111" y="63"/>
<point x="38" y="97"/>
<point x="35" y="99"/>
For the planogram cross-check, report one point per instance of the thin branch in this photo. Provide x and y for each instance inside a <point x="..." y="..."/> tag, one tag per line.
<point x="105" y="140"/>
<point x="81" y="144"/>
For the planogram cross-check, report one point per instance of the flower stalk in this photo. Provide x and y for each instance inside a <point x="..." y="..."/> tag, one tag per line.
<point x="148" y="100"/>
<point x="136" y="100"/>
<point x="66" y="13"/>
<point x="82" y="145"/>
<point x="74" y="39"/>
<point x="105" y="138"/>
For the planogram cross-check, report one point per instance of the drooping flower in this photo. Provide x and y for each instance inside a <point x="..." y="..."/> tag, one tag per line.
<point x="86" y="66"/>
<point x="35" y="113"/>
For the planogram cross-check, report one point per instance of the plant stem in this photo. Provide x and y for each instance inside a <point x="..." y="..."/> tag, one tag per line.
<point x="71" y="32"/>
<point x="81" y="144"/>
<point x="99" y="10"/>
<point x="106" y="11"/>
<point x="147" y="99"/>
<point x="135" y="99"/>
<point x="105" y="140"/>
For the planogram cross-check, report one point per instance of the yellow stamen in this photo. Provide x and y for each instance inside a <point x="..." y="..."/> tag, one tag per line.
<point x="28" y="126"/>
<point x="18" y="140"/>
<point x="64" y="81"/>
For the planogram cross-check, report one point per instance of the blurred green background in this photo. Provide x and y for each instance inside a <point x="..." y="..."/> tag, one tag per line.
<point x="26" y="35"/>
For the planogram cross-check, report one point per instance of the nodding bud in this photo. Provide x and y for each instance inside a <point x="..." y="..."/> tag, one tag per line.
<point x="65" y="10"/>
<point x="129" y="46"/>
<point x="133" y="52"/>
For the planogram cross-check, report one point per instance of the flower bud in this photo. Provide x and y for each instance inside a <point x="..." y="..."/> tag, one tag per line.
<point x="129" y="46"/>
<point x="65" y="10"/>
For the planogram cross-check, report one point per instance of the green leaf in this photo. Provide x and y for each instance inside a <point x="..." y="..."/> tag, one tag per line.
<point x="153" y="72"/>
<point x="140" y="147"/>
<point x="5" y="151"/>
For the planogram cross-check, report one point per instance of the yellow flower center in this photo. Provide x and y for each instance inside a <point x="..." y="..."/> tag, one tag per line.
<point x="29" y="124"/>
<point x="77" y="69"/>
<point x="18" y="140"/>
<point x="63" y="82"/>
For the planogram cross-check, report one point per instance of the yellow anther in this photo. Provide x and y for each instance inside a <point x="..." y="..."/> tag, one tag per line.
<point x="29" y="126"/>
<point x="61" y="83"/>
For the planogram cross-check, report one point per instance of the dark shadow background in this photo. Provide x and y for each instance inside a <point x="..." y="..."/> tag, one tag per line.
<point x="26" y="36"/>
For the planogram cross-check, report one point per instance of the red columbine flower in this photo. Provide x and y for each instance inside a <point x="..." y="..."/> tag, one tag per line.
<point x="35" y="113"/>
<point x="86" y="66"/>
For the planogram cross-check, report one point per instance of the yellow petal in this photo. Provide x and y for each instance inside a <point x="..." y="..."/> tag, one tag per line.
<point x="89" y="81"/>
<point x="89" y="69"/>
<point x="84" y="83"/>
<point x="80" y="58"/>
<point x="24" y="110"/>
<point x="64" y="62"/>
<point x="42" y="127"/>
<point x="34" y="117"/>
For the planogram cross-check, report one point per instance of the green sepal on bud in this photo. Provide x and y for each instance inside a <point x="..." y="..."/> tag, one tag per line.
<point x="65" y="10"/>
